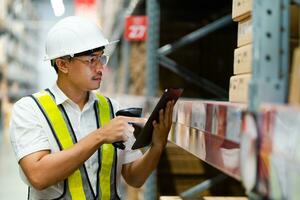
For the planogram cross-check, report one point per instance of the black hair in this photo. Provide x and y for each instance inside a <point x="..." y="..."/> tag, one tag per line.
<point x="89" y="52"/>
<point x="85" y="53"/>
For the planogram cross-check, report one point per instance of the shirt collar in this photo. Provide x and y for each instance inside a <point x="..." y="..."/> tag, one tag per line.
<point x="61" y="97"/>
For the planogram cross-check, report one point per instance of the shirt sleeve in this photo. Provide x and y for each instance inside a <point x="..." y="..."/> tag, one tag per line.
<point x="27" y="134"/>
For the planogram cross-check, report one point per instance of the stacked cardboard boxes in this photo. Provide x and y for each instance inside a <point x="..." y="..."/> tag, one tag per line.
<point x="241" y="13"/>
<point x="294" y="92"/>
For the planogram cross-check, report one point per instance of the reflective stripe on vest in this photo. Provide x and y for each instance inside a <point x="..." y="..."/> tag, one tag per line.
<point x="107" y="151"/>
<point x="77" y="186"/>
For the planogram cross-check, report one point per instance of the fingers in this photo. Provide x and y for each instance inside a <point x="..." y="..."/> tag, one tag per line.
<point x="124" y="138"/>
<point x="161" y="117"/>
<point x="128" y="132"/>
<point x="118" y="130"/>
<point x="164" y="121"/>
<point x="130" y="128"/>
<point x="171" y="112"/>
<point x="168" y="114"/>
<point x="138" y="120"/>
<point x="155" y="124"/>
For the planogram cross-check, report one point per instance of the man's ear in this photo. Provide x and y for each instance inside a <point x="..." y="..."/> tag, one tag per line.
<point x="62" y="65"/>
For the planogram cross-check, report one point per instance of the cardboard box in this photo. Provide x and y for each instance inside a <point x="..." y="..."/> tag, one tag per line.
<point x="238" y="90"/>
<point x="294" y="21"/>
<point x="294" y="93"/>
<point x="2" y="50"/>
<point x="243" y="59"/>
<point x="294" y="43"/>
<point x="241" y="9"/>
<point x="245" y="32"/>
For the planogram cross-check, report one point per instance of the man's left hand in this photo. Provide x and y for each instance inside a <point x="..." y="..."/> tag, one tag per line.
<point x="162" y="128"/>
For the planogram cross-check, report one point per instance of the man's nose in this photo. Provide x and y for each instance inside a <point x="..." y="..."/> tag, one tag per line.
<point x="99" y="66"/>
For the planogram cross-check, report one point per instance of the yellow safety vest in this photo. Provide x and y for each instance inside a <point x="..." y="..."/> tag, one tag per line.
<point x="77" y="186"/>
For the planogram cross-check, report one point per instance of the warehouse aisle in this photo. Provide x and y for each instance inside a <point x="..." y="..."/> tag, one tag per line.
<point x="11" y="186"/>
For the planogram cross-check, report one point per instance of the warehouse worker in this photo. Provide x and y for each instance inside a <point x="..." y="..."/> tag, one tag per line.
<point x="63" y="136"/>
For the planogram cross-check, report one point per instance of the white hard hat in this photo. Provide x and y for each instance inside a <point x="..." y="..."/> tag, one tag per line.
<point x="73" y="35"/>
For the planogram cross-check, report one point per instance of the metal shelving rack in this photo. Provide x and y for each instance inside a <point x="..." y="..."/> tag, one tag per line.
<point x="255" y="144"/>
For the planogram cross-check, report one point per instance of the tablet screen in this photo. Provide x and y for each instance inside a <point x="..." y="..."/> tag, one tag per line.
<point x="145" y="136"/>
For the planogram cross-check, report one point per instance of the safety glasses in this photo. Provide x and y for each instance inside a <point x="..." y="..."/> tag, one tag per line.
<point x="94" y="60"/>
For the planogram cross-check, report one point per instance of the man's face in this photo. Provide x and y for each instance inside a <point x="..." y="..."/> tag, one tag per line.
<point x="85" y="72"/>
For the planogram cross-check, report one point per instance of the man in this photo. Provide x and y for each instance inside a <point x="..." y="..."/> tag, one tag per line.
<point x="63" y="136"/>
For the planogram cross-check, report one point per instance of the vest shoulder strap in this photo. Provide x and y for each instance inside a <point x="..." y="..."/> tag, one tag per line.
<point x="60" y="130"/>
<point x="108" y="152"/>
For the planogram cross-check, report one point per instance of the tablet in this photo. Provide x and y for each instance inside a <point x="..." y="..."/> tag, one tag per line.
<point x="144" y="138"/>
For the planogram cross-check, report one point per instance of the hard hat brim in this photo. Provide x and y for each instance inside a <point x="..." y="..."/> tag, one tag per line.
<point x="46" y="58"/>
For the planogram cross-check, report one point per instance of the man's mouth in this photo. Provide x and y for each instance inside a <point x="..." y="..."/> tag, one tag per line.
<point x="97" y="78"/>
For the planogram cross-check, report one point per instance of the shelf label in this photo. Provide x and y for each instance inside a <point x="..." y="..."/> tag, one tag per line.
<point x="135" y="28"/>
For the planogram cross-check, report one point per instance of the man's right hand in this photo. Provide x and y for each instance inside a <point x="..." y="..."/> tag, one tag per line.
<point x="119" y="129"/>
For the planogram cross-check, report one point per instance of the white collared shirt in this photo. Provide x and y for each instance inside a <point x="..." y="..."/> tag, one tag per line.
<point x="30" y="132"/>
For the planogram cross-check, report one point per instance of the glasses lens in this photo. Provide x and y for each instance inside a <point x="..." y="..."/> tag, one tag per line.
<point x="104" y="59"/>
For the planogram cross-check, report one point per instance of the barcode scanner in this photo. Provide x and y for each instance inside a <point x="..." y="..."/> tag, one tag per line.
<point x="128" y="112"/>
